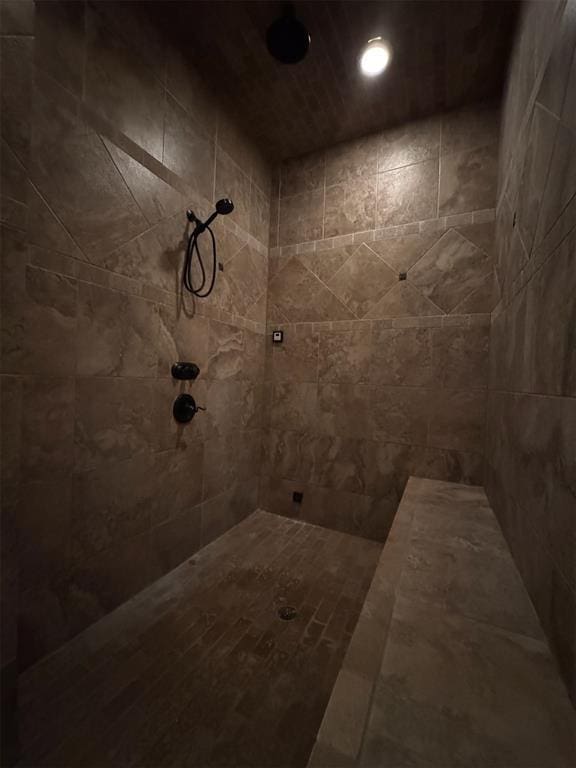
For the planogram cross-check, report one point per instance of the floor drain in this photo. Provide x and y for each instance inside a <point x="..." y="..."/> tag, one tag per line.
<point x="287" y="613"/>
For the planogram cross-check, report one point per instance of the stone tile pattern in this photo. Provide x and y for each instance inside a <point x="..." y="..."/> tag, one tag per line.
<point x="354" y="408"/>
<point x="442" y="166"/>
<point x="16" y="50"/>
<point x="99" y="164"/>
<point x="448" y="654"/>
<point x="445" y="55"/>
<point x="381" y="377"/>
<point x="531" y="425"/>
<point x="199" y="668"/>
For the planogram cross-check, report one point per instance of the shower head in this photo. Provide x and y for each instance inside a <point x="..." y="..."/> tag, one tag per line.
<point x="224" y="206"/>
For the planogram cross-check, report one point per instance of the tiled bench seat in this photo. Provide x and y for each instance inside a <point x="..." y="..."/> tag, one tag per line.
<point x="448" y="665"/>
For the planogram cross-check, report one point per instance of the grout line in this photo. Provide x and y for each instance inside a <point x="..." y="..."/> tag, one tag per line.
<point x="439" y="171"/>
<point x="84" y="52"/>
<point x="64" y="227"/>
<point x="324" y="196"/>
<point x="530" y="103"/>
<point x="392" y="231"/>
<point x="130" y="192"/>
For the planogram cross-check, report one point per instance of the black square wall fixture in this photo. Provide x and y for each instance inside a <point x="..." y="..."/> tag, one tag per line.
<point x="277" y="337"/>
<point x="297" y="497"/>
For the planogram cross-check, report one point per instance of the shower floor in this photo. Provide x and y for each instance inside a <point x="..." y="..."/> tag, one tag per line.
<point x="199" y="669"/>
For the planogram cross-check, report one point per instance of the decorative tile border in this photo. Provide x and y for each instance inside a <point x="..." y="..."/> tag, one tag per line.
<point x="83" y="272"/>
<point x="433" y="321"/>
<point x="418" y="227"/>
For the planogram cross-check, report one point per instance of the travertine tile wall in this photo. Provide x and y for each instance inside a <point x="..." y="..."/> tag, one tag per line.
<point x="531" y="444"/>
<point x="107" y="138"/>
<point x="382" y="278"/>
<point x="16" y="47"/>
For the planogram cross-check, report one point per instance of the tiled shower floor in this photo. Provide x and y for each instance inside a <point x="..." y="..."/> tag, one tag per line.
<point x="198" y="669"/>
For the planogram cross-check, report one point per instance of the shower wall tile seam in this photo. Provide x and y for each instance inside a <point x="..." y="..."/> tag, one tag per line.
<point x="379" y="172"/>
<point x="207" y="312"/>
<point x="547" y="550"/>
<point x="405" y="321"/>
<point x="509" y="169"/>
<point x="126" y="186"/>
<point x="475" y="216"/>
<point x="371" y="439"/>
<point x="530" y="270"/>
<point x="102" y="125"/>
<point x="532" y="393"/>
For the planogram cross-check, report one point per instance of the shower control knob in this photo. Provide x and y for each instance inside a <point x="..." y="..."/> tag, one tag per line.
<point x="185" y="408"/>
<point x="185" y="371"/>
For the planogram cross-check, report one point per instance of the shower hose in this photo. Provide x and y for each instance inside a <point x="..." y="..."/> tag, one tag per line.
<point x="192" y="250"/>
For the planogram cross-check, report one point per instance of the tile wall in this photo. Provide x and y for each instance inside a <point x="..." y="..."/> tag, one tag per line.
<point x="531" y="443"/>
<point x="382" y="278"/>
<point x="16" y="49"/>
<point x="108" y="137"/>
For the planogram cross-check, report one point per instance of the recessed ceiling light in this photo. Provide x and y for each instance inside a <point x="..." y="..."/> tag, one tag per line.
<point x="375" y="57"/>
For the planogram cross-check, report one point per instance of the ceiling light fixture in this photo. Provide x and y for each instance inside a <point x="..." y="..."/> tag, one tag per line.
<point x="375" y="57"/>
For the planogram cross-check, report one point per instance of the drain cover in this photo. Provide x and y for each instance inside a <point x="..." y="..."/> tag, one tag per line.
<point x="287" y="613"/>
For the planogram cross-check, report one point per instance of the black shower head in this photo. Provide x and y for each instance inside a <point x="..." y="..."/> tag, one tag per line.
<point x="224" y="206"/>
<point x="287" y="38"/>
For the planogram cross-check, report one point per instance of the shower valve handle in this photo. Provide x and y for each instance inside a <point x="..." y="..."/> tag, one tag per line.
<point x="185" y="408"/>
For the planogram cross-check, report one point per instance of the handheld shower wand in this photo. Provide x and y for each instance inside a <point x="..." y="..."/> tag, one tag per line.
<point x="223" y="207"/>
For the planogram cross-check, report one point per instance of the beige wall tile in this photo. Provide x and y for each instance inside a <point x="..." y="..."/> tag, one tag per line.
<point x="344" y="356"/>
<point x="117" y="335"/>
<point x="450" y="270"/>
<point x="302" y="174"/>
<point x="350" y="206"/>
<point x="409" y="144"/>
<point x="301" y="217"/>
<point x="113" y="420"/>
<point x="457" y="420"/>
<point x="361" y="281"/>
<point x="407" y="194"/>
<point x="471" y="127"/>
<point x="352" y="160"/>
<point x="39" y="319"/>
<point x="47" y="432"/>
<point x="344" y="410"/>
<point x="401" y="414"/>
<point x="468" y="180"/>
<point x="402" y="357"/>
<point x="188" y="149"/>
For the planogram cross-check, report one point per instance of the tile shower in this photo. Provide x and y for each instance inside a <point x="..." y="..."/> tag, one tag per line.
<point x="423" y="277"/>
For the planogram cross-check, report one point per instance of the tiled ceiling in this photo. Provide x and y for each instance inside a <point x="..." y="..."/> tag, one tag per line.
<point x="445" y="54"/>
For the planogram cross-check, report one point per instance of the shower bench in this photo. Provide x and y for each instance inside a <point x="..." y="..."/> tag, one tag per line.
<point x="448" y="664"/>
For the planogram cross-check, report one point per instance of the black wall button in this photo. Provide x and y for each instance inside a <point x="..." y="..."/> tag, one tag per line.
<point x="297" y="497"/>
<point x="185" y="371"/>
<point x="185" y="408"/>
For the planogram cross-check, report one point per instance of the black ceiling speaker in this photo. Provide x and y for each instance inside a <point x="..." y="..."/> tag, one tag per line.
<point x="287" y="38"/>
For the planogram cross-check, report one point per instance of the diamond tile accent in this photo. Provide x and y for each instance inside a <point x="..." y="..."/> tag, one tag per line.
<point x="324" y="264"/>
<point x="362" y="281"/>
<point x="403" y="300"/>
<point x="301" y="296"/>
<point x="450" y="270"/>
<point x="401" y="253"/>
